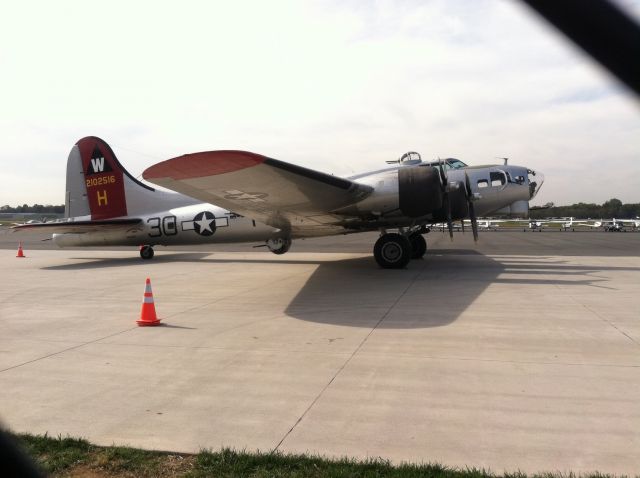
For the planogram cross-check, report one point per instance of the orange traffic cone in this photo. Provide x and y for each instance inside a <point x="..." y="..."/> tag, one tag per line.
<point x="20" y="252"/>
<point x="148" y="312"/>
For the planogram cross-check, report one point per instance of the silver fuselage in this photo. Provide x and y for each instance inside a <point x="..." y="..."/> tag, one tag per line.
<point x="190" y="223"/>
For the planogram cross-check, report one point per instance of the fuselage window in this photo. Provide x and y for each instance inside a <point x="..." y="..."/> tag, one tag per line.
<point x="483" y="183"/>
<point x="497" y="179"/>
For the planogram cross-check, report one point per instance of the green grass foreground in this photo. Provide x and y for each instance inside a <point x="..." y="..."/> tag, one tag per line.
<point x="74" y="457"/>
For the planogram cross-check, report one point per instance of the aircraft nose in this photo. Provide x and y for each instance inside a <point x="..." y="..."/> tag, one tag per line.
<point x="536" y="178"/>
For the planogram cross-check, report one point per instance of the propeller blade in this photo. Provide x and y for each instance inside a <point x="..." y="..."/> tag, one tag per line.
<point x="444" y="180"/>
<point x="447" y="205"/>
<point x="444" y="186"/>
<point x="472" y="209"/>
<point x="474" y="221"/>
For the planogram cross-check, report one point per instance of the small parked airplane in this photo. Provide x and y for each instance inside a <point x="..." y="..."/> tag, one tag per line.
<point x="536" y="225"/>
<point x="563" y="224"/>
<point x="571" y="223"/>
<point x="259" y="199"/>
<point x="620" y="225"/>
<point x="488" y="224"/>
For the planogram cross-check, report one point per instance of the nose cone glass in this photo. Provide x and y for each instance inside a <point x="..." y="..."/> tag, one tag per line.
<point x="536" y="178"/>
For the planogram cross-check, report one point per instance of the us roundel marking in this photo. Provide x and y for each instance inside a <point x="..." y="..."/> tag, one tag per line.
<point x="204" y="223"/>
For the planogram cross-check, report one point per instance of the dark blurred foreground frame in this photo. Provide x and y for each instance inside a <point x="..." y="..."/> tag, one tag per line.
<point x="600" y="28"/>
<point x="14" y="462"/>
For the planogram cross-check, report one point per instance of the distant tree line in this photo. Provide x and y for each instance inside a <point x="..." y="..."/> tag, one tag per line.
<point x="611" y="208"/>
<point x="36" y="208"/>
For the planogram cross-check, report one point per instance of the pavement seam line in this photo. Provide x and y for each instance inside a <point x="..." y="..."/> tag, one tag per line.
<point x="350" y="357"/>
<point x="196" y="307"/>
<point x="66" y="350"/>
<point x="608" y="322"/>
<point x="126" y="330"/>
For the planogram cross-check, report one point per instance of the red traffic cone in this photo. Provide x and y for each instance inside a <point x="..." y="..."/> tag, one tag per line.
<point x="148" y="312"/>
<point x="20" y="251"/>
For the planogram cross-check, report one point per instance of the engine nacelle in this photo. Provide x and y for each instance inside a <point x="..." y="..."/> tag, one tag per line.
<point x="419" y="190"/>
<point x="409" y="191"/>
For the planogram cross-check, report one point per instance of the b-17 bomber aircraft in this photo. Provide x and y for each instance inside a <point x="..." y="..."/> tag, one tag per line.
<point x="238" y="196"/>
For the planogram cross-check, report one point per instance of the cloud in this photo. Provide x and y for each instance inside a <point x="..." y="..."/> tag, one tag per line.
<point x="336" y="86"/>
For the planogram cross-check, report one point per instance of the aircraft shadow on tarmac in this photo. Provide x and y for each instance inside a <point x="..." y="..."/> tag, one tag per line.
<point x="432" y="292"/>
<point x="106" y="262"/>
<point x="87" y="262"/>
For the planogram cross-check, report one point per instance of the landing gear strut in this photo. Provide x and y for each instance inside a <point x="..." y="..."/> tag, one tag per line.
<point x="392" y="251"/>
<point x="146" y="252"/>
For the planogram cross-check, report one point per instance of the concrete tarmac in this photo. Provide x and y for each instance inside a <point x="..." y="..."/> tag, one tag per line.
<point x="521" y="353"/>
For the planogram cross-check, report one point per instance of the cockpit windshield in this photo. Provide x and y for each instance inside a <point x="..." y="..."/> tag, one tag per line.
<point x="453" y="163"/>
<point x="414" y="158"/>
<point x="449" y="163"/>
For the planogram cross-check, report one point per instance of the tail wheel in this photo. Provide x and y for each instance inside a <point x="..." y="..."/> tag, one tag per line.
<point x="146" y="252"/>
<point x="392" y="251"/>
<point x="418" y="246"/>
<point x="279" y="246"/>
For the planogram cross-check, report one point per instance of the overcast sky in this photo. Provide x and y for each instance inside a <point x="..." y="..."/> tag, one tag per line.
<point x="339" y="86"/>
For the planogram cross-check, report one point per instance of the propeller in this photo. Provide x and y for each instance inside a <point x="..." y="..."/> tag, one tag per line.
<point x="472" y="210"/>
<point x="446" y="203"/>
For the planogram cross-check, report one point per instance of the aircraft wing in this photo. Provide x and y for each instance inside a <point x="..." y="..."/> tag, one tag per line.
<point x="279" y="194"/>
<point x="79" y="227"/>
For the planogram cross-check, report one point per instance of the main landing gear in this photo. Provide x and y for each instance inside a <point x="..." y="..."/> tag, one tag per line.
<point x="394" y="250"/>
<point x="146" y="252"/>
<point x="418" y="245"/>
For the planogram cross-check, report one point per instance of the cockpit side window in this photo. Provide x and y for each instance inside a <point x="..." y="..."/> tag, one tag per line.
<point x="483" y="183"/>
<point x="497" y="179"/>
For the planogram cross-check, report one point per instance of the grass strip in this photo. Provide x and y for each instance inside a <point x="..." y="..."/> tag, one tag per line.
<point x="62" y="457"/>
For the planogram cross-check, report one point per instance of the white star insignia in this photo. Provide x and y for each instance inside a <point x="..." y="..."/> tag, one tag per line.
<point x="205" y="224"/>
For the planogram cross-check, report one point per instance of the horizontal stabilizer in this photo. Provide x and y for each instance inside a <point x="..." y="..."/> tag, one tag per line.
<point x="79" y="227"/>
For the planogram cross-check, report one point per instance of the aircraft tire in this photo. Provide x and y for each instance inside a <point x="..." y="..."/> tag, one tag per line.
<point x="283" y="246"/>
<point x="146" y="252"/>
<point x="418" y="246"/>
<point x="392" y="251"/>
<point x="281" y="250"/>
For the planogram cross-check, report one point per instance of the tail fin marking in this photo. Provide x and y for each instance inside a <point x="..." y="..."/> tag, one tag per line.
<point x="103" y="179"/>
<point x="100" y="187"/>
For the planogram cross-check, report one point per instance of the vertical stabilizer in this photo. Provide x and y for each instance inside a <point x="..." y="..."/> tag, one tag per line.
<point x="98" y="186"/>
<point x="103" y="179"/>
<point x="76" y="203"/>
